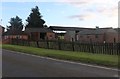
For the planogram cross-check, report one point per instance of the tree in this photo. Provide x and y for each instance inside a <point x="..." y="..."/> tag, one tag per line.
<point x="35" y="18"/>
<point x="45" y="26"/>
<point x="15" y="24"/>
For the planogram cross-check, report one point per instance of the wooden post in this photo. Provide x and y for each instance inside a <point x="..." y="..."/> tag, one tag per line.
<point x="59" y="45"/>
<point x="47" y="42"/>
<point x="37" y="42"/>
<point x="92" y="50"/>
<point x="11" y="41"/>
<point x="73" y="45"/>
<point x="28" y="42"/>
<point x="23" y="42"/>
<point x="17" y="41"/>
<point x="118" y="48"/>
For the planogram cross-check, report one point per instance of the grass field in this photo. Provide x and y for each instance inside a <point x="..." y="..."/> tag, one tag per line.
<point x="100" y="59"/>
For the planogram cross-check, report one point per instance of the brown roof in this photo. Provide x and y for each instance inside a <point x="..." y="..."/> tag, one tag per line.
<point x="14" y="33"/>
<point x="38" y="30"/>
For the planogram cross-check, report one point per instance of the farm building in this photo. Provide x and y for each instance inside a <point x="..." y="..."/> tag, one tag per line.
<point x="71" y="33"/>
<point x="15" y="34"/>
<point x="40" y="33"/>
<point x="98" y="35"/>
<point x="88" y="35"/>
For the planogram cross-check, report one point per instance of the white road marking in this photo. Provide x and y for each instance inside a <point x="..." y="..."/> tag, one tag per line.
<point x="66" y="61"/>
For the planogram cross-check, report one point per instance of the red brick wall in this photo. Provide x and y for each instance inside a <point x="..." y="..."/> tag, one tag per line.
<point x="16" y="36"/>
<point x="51" y="36"/>
<point x="67" y="37"/>
<point x="109" y="38"/>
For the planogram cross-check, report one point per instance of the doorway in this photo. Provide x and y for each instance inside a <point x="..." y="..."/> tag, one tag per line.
<point x="42" y="36"/>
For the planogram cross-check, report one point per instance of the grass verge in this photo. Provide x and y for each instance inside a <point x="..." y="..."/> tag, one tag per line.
<point x="99" y="59"/>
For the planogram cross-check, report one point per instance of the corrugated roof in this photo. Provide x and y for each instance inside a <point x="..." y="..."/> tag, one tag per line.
<point x="86" y="32"/>
<point x="61" y="28"/>
<point x="97" y="31"/>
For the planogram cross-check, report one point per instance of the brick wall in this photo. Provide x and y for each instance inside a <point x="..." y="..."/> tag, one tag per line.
<point x="51" y="36"/>
<point x="108" y="38"/>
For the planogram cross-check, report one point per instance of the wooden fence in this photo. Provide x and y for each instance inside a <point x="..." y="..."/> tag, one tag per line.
<point x="98" y="48"/>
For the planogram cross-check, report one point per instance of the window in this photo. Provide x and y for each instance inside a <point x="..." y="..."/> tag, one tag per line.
<point x="42" y="36"/>
<point x="50" y="35"/>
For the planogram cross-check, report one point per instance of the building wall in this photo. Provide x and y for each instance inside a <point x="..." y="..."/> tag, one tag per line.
<point x="111" y="37"/>
<point x="91" y="38"/>
<point x="101" y="38"/>
<point x="36" y="36"/>
<point x="51" y="36"/>
<point x="70" y="35"/>
<point x="7" y="38"/>
<point x="16" y="37"/>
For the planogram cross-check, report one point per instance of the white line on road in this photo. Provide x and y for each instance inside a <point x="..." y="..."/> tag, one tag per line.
<point x="66" y="61"/>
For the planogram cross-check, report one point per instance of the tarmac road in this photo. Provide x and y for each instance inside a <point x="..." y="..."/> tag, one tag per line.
<point x="15" y="64"/>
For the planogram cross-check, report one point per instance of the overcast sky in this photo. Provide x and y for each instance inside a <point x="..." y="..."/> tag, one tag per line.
<point x="79" y="13"/>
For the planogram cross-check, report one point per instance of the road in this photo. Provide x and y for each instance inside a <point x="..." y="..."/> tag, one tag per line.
<point x="15" y="64"/>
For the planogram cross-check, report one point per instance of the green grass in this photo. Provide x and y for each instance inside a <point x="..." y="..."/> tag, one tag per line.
<point x="100" y="59"/>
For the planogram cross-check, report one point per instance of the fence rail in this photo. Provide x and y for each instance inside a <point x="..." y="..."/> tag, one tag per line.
<point x="98" y="48"/>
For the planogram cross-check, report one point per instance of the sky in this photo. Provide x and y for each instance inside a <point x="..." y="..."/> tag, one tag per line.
<point x="71" y="13"/>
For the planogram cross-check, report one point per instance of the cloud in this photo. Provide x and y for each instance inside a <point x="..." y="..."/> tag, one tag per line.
<point x="103" y="7"/>
<point x="80" y="17"/>
<point x="83" y="17"/>
<point x="110" y="12"/>
<point x="92" y="9"/>
<point x="105" y="11"/>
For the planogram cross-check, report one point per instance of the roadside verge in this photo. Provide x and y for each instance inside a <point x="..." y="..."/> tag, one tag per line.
<point x="99" y="59"/>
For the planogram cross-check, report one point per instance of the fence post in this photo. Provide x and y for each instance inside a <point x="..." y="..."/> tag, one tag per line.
<point x="11" y="41"/>
<point x="22" y="42"/>
<point x="59" y="45"/>
<point x="28" y="42"/>
<point x="47" y="43"/>
<point x="17" y="41"/>
<point x="118" y="48"/>
<point x="73" y="45"/>
<point x="37" y="42"/>
<point x="92" y="49"/>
